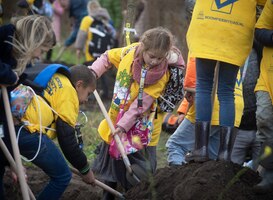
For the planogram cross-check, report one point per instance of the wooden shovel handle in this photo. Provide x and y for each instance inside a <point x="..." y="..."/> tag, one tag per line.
<point x="116" y="137"/>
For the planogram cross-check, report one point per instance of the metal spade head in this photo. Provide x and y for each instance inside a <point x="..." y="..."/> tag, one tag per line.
<point x="138" y="175"/>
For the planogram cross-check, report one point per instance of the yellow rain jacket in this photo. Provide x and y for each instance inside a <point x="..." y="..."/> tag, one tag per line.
<point x="123" y="63"/>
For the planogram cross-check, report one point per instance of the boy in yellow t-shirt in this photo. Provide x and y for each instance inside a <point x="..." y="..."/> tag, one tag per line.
<point x="64" y="93"/>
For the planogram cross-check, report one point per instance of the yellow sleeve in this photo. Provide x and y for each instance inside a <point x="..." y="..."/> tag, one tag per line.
<point x="114" y="56"/>
<point x="117" y="54"/>
<point x="261" y="2"/>
<point x="266" y="18"/>
<point x="86" y="23"/>
<point x="30" y="2"/>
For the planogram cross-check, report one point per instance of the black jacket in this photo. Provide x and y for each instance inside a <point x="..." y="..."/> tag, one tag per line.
<point x="7" y="62"/>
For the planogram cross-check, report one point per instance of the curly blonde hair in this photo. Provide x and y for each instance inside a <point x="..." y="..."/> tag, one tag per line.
<point x="31" y="32"/>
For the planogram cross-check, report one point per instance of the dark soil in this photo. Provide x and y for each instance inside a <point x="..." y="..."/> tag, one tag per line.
<point x="37" y="179"/>
<point x="207" y="181"/>
<point x="196" y="181"/>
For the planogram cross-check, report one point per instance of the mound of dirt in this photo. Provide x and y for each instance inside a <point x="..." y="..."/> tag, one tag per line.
<point x="211" y="180"/>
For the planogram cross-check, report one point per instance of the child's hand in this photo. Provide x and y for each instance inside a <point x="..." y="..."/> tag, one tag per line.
<point x="14" y="176"/>
<point x="189" y="96"/>
<point x="89" y="178"/>
<point x="180" y="118"/>
<point x="119" y="131"/>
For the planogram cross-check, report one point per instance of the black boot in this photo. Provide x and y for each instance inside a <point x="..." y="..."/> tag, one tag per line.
<point x="227" y="139"/>
<point x="266" y="185"/>
<point x="200" y="152"/>
<point x="266" y="161"/>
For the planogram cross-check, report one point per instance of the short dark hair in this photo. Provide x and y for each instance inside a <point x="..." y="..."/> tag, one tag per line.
<point x="81" y="72"/>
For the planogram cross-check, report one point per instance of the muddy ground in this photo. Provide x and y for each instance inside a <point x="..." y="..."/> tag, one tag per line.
<point x="210" y="181"/>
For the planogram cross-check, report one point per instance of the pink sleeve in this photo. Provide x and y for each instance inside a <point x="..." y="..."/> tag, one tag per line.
<point x="101" y="65"/>
<point x="175" y="58"/>
<point x="129" y="117"/>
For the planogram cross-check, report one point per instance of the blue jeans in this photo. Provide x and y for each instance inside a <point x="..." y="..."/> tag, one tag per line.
<point x="226" y="84"/>
<point x="50" y="160"/>
<point x="183" y="140"/>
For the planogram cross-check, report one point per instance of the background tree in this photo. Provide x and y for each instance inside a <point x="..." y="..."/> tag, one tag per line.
<point x="171" y="14"/>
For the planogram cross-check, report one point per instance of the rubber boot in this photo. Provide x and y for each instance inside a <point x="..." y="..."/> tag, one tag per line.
<point x="227" y="139"/>
<point x="200" y="152"/>
<point x="266" y="162"/>
<point x="266" y="185"/>
<point x="107" y="195"/>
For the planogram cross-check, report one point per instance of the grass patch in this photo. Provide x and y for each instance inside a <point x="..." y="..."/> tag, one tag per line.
<point x="68" y="56"/>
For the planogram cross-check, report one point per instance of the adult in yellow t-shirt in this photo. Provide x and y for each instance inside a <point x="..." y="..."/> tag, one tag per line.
<point x="221" y="32"/>
<point x="182" y="140"/>
<point x="264" y="95"/>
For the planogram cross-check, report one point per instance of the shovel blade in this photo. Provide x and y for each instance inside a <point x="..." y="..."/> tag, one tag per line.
<point x="138" y="175"/>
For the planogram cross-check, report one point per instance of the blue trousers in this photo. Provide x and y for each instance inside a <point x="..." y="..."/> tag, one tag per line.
<point x="183" y="140"/>
<point x="50" y="160"/>
<point x="225" y="92"/>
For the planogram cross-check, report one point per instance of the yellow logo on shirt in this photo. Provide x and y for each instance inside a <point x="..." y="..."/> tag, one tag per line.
<point x="223" y="6"/>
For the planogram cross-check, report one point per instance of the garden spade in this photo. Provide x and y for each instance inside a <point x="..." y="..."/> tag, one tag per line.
<point x="134" y="173"/>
